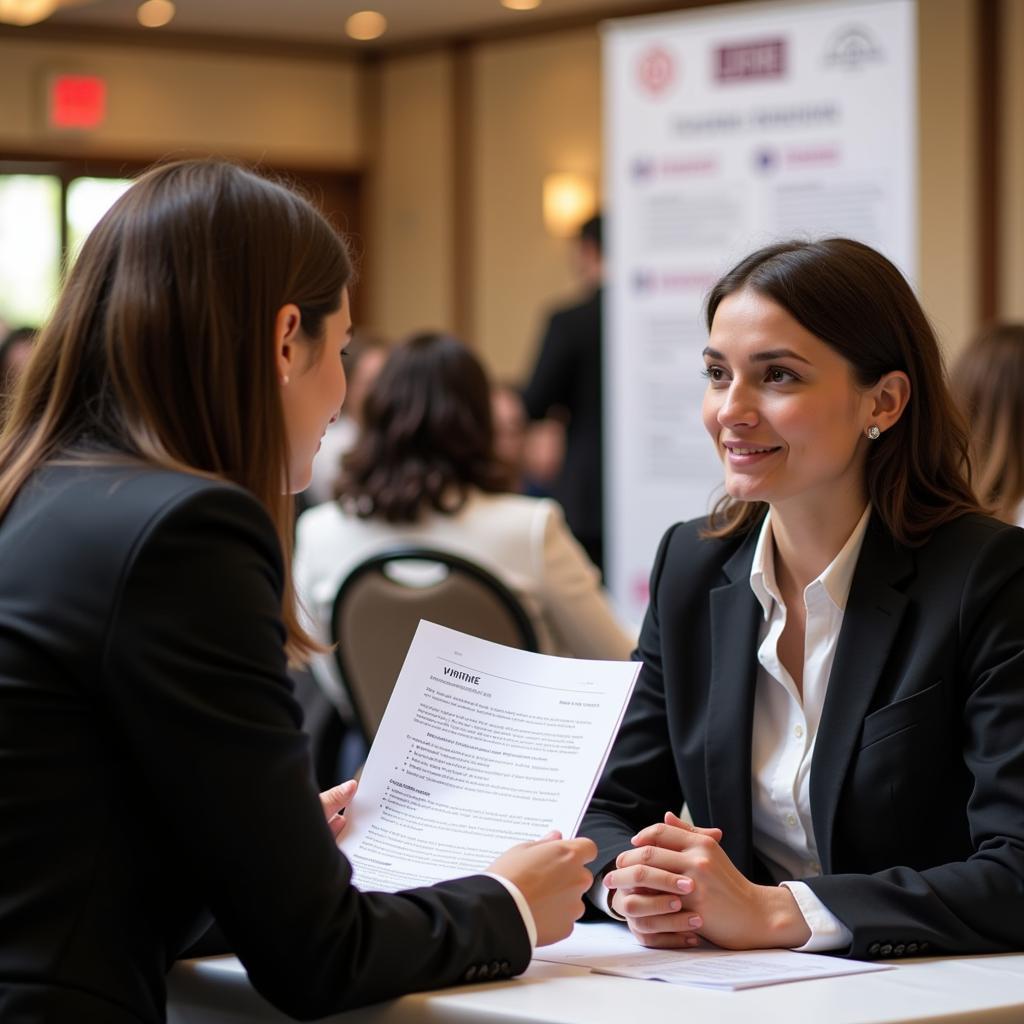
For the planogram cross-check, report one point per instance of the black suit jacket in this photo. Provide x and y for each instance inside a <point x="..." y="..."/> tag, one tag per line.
<point x="568" y="373"/>
<point x="152" y="765"/>
<point x="917" y="782"/>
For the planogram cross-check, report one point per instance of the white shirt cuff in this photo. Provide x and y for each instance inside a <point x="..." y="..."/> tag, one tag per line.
<point x="524" y="908"/>
<point x="600" y="896"/>
<point x="827" y="931"/>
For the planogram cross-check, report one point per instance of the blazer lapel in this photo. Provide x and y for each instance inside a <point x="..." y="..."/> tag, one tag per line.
<point x="873" y="614"/>
<point x="735" y="615"/>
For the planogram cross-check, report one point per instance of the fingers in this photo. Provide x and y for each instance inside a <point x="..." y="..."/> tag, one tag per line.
<point x="675" y="837"/>
<point x="647" y="876"/>
<point x="632" y="903"/>
<point x="676" y="822"/>
<point x="666" y="940"/>
<point x="334" y="801"/>
<point x="583" y="848"/>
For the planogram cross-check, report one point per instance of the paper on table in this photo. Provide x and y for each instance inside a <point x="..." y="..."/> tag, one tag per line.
<point x="608" y="948"/>
<point x="481" y="747"/>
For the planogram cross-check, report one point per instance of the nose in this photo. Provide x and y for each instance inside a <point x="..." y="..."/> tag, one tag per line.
<point x="737" y="407"/>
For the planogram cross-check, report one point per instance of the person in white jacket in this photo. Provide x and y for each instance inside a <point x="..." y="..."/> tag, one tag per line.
<point x="424" y="474"/>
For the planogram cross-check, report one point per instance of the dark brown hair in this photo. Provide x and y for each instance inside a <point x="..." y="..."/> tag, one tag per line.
<point x="427" y="436"/>
<point x="988" y="384"/>
<point x="855" y="300"/>
<point x="161" y="346"/>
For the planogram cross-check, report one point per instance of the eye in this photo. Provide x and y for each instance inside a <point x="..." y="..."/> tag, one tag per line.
<point x="780" y="375"/>
<point x="714" y="373"/>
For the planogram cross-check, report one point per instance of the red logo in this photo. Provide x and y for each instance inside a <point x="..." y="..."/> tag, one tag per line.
<point x="657" y="70"/>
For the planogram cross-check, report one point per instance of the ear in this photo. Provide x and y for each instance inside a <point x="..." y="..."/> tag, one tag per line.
<point x="889" y="399"/>
<point x="287" y="325"/>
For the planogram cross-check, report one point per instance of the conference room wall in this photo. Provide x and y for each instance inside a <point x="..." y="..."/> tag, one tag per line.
<point x="1011" y="210"/>
<point x="293" y="111"/>
<point x="532" y="105"/>
<point x="409" y="249"/>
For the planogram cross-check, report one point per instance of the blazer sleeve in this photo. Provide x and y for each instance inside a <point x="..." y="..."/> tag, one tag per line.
<point x="975" y="905"/>
<point x="640" y="782"/>
<point x="196" y="680"/>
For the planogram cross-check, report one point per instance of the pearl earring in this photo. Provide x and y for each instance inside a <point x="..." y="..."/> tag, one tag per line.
<point x="284" y="380"/>
<point x="873" y="432"/>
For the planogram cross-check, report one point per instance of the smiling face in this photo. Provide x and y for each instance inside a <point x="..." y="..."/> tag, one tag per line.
<point x="313" y="391"/>
<point x="783" y="408"/>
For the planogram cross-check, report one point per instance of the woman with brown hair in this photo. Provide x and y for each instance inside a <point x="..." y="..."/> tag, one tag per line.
<point x="832" y="664"/>
<point x="155" y="771"/>
<point x="988" y="384"/>
<point x="424" y="473"/>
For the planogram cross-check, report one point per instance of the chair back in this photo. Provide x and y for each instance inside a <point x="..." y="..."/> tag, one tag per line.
<point x="380" y="604"/>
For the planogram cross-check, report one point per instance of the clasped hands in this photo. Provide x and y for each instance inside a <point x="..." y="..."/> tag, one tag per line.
<point x="678" y="885"/>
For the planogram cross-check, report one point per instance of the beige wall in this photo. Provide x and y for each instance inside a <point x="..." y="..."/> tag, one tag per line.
<point x="537" y="109"/>
<point x="290" y="111"/>
<point x="409" y="245"/>
<point x="947" y="159"/>
<point x="1011" y="285"/>
<point x="534" y="106"/>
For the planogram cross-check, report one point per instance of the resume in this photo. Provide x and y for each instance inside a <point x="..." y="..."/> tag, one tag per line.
<point x="481" y="747"/>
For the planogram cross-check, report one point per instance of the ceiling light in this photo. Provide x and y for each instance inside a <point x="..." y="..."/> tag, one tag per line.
<point x="155" y="13"/>
<point x="26" y="12"/>
<point x="520" y="5"/>
<point x="365" y="25"/>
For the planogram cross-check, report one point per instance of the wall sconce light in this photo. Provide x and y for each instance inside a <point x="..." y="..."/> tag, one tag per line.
<point x="569" y="199"/>
<point x="26" y="12"/>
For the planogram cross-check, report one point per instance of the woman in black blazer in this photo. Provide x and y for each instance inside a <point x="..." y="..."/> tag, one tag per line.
<point x="152" y="766"/>
<point x="833" y="675"/>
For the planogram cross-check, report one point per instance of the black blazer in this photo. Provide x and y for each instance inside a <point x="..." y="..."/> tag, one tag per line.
<point x="152" y="764"/>
<point x="568" y="373"/>
<point x="917" y="782"/>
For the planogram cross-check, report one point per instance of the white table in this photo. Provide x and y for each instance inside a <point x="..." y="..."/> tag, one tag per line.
<point x="969" y="990"/>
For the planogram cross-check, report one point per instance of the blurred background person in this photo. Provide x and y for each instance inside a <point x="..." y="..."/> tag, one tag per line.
<point x="364" y="357"/>
<point x="425" y="473"/>
<point x="988" y="384"/>
<point x="566" y="383"/>
<point x="15" y="349"/>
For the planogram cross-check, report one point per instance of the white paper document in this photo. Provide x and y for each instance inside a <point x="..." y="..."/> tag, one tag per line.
<point x="609" y="948"/>
<point x="481" y="747"/>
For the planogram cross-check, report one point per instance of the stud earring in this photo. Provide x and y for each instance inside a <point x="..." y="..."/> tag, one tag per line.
<point x="284" y="380"/>
<point x="874" y="432"/>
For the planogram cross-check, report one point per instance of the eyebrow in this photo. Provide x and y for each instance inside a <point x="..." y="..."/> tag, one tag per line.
<point x="762" y="357"/>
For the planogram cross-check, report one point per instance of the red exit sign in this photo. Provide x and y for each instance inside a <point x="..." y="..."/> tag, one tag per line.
<point x="77" y="101"/>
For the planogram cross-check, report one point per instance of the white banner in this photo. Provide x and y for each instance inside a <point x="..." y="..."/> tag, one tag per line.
<point x="729" y="128"/>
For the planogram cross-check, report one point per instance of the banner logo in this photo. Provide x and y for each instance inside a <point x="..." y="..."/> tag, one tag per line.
<point x="764" y="59"/>
<point x="852" y="48"/>
<point x="656" y="70"/>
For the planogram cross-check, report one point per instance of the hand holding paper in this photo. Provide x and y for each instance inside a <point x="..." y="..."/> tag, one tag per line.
<point x="482" y="747"/>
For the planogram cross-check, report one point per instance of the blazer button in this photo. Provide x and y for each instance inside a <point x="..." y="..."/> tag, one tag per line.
<point x="873" y="949"/>
<point x="495" y="967"/>
<point x="886" y="949"/>
<point x="911" y="948"/>
<point x="899" y="949"/>
<point x="470" y="973"/>
<point x="506" y="967"/>
<point x="924" y="946"/>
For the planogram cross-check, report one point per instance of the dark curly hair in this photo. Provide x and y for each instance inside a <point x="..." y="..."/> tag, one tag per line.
<point x="427" y="437"/>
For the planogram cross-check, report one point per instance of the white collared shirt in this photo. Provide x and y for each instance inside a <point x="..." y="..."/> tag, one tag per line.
<point x="786" y="725"/>
<point x="785" y="728"/>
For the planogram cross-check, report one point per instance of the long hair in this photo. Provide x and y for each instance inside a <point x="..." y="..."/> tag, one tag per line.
<point x="988" y="384"/>
<point x="854" y="300"/>
<point x="427" y="437"/>
<point x="161" y="346"/>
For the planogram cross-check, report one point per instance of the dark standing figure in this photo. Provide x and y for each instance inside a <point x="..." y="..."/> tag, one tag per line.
<point x="567" y="377"/>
